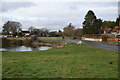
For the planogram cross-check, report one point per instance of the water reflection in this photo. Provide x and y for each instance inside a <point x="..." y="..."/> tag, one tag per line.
<point x="25" y="48"/>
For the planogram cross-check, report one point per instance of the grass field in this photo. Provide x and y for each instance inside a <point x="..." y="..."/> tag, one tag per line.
<point x="74" y="61"/>
<point x="113" y="43"/>
<point x="18" y="38"/>
<point x="41" y="38"/>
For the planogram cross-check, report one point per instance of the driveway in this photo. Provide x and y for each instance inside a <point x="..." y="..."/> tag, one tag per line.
<point x="97" y="44"/>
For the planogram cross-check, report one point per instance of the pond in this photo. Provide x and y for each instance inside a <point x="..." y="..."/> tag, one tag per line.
<point x="24" y="48"/>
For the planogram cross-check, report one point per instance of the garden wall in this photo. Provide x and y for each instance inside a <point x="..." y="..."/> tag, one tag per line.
<point x="92" y="39"/>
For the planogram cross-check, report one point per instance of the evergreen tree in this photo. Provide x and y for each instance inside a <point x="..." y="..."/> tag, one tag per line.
<point x="60" y="33"/>
<point x="118" y="21"/>
<point x="90" y="18"/>
<point x="108" y="24"/>
<point x="91" y="25"/>
<point x="97" y="25"/>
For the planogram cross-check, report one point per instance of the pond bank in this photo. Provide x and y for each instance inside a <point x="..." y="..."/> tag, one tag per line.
<point x="30" y="42"/>
<point x="25" y="48"/>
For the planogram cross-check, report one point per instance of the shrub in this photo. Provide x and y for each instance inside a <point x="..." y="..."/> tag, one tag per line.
<point x="104" y="38"/>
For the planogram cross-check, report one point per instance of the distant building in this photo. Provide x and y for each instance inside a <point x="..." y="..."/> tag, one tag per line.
<point x="116" y="30"/>
<point x="25" y="32"/>
<point x="105" y="30"/>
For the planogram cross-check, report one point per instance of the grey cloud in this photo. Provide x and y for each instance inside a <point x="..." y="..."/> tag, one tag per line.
<point x="57" y="16"/>
<point x="15" y="5"/>
<point x="76" y="5"/>
<point x="119" y="8"/>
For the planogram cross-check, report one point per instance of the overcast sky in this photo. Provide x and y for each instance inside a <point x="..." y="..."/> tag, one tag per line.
<point x="55" y="15"/>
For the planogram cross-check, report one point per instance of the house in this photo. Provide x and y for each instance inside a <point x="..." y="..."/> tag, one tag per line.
<point x="25" y="32"/>
<point x="116" y="30"/>
<point x="105" y="30"/>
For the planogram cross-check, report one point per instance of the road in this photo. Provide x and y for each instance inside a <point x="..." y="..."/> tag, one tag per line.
<point x="97" y="44"/>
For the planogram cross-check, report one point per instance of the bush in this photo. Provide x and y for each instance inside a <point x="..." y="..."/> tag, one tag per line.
<point x="104" y="38"/>
<point x="34" y="38"/>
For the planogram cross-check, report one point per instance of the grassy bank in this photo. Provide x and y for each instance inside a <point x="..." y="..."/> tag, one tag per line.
<point x="18" y="38"/>
<point x="41" y="38"/>
<point x="113" y="43"/>
<point x="74" y="61"/>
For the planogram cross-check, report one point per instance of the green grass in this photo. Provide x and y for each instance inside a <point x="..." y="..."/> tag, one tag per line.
<point x="18" y="38"/>
<point x="41" y="38"/>
<point x="50" y="38"/>
<point x="113" y="43"/>
<point x="74" y="61"/>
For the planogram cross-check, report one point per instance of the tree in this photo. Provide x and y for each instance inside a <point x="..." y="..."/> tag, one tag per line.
<point x="60" y="33"/>
<point x="69" y="30"/>
<point x="31" y="28"/>
<point x="91" y="25"/>
<point x="97" y="25"/>
<point x="78" y="33"/>
<point x="36" y="32"/>
<point x="108" y="24"/>
<point x="118" y="21"/>
<point x="12" y="27"/>
<point x="39" y="32"/>
<point x="44" y="32"/>
<point x="88" y="24"/>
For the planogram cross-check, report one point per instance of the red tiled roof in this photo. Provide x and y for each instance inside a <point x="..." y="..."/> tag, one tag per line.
<point x="106" y="29"/>
<point x="116" y="29"/>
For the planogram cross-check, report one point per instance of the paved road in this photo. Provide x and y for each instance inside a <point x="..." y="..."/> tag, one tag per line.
<point x="97" y="44"/>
